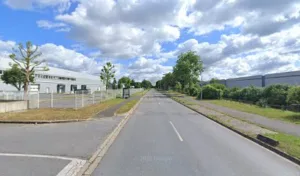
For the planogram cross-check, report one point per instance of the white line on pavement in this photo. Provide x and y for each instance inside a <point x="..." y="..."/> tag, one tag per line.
<point x="70" y="170"/>
<point x="180" y="138"/>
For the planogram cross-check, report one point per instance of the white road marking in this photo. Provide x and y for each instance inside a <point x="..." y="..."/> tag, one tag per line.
<point x="70" y="170"/>
<point x="174" y="128"/>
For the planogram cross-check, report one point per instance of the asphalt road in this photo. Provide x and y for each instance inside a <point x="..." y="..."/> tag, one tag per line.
<point x="165" y="138"/>
<point x="46" y="150"/>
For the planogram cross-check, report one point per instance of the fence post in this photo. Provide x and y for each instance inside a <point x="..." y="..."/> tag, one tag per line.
<point x="94" y="98"/>
<point x="100" y="96"/>
<point x="75" y="100"/>
<point x="38" y="100"/>
<point x="51" y="96"/>
<point x="82" y="104"/>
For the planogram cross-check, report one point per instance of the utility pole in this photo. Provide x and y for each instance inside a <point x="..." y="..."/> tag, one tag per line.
<point x="201" y="96"/>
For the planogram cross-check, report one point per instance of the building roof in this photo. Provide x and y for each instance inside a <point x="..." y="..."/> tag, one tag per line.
<point x="53" y="71"/>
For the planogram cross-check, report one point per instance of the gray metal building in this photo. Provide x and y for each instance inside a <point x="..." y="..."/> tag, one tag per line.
<point x="57" y="80"/>
<point x="290" y="78"/>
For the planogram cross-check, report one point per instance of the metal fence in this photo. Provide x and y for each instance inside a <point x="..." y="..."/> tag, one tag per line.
<point x="76" y="100"/>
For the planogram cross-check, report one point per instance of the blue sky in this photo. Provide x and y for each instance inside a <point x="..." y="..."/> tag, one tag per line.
<point x="143" y="38"/>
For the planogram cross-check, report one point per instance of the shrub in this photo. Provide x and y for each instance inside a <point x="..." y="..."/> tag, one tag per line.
<point x="210" y="92"/>
<point x="218" y="86"/>
<point x="276" y="94"/>
<point x="194" y="90"/>
<point x="235" y="93"/>
<point x="226" y="93"/>
<point x="178" y="87"/>
<point x="252" y="94"/>
<point x="293" y="96"/>
<point x="262" y="103"/>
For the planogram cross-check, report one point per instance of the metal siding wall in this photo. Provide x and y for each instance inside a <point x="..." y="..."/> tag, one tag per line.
<point x="244" y="82"/>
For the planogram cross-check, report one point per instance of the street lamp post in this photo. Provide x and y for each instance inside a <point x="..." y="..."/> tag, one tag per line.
<point x="201" y="87"/>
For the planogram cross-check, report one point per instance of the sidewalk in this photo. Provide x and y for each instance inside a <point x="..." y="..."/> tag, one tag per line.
<point x="273" y="124"/>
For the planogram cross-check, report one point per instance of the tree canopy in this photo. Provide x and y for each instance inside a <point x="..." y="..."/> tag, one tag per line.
<point x="146" y="84"/>
<point x="107" y="73"/>
<point x="15" y="77"/>
<point x="27" y="60"/>
<point x="126" y="81"/>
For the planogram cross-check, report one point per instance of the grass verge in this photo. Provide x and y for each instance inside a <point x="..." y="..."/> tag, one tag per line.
<point x="59" y="114"/>
<point x="126" y="107"/>
<point x="287" y="143"/>
<point x="288" y="116"/>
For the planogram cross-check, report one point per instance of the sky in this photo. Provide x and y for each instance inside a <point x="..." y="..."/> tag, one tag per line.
<point x="143" y="38"/>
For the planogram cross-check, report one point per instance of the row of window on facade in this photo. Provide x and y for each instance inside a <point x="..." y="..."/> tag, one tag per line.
<point x="49" y="77"/>
<point x="54" y="77"/>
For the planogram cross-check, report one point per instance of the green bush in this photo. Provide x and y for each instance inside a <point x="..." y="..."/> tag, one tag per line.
<point x="194" y="90"/>
<point x="226" y="93"/>
<point x="178" y="87"/>
<point x="293" y="96"/>
<point x="235" y="93"/>
<point x="276" y="94"/>
<point x="218" y="86"/>
<point x="210" y="92"/>
<point x="262" y="103"/>
<point x="252" y="94"/>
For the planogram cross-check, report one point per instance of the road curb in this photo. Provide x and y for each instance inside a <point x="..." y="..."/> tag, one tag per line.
<point x="41" y="121"/>
<point x="96" y="158"/>
<point x="281" y="153"/>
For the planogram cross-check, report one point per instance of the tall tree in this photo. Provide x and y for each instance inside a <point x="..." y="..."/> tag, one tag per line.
<point x="168" y="81"/>
<point x="132" y="83"/>
<point x="124" y="81"/>
<point x="146" y="84"/>
<point x="15" y="77"/>
<point x="27" y="59"/>
<point x="107" y="73"/>
<point x="188" y="68"/>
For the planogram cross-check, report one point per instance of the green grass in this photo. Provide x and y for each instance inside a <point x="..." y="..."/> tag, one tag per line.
<point x="289" y="116"/>
<point x="59" y="114"/>
<point x="125" y="108"/>
<point x="287" y="143"/>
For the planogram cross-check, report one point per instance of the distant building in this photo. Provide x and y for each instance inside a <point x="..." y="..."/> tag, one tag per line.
<point x="290" y="78"/>
<point x="56" y="80"/>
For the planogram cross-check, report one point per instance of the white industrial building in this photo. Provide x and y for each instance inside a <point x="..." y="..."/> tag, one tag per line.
<point x="56" y="80"/>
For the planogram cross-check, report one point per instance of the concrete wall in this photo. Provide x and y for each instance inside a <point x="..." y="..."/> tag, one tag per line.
<point x="290" y="78"/>
<point x="13" y="106"/>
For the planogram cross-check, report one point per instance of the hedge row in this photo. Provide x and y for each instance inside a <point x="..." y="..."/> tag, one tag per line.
<point x="277" y="95"/>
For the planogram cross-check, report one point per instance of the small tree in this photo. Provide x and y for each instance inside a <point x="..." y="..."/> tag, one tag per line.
<point x="293" y="96"/>
<point x="107" y="73"/>
<point x="15" y="77"/>
<point x="115" y="84"/>
<point x="27" y="59"/>
<point x="124" y="81"/>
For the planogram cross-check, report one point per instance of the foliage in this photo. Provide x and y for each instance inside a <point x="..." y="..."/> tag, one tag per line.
<point x="158" y="84"/>
<point x="252" y="94"/>
<point x="235" y="93"/>
<point x="107" y="73"/>
<point x="214" y="81"/>
<point x="124" y="81"/>
<point x="210" y="92"/>
<point x="293" y="96"/>
<point x="188" y="68"/>
<point x="15" y="77"/>
<point x="194" y="90"/>
<point x="218" y="86"/>
<point x="146" y="84"/>
<point x="178" y="86"/>
<point x="276" y="94"/>
<point x="27" y="60"/>
<point x="262" y="103"/>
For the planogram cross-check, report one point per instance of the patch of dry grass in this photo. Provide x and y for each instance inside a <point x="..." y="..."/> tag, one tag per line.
<point x="59" y="114"/>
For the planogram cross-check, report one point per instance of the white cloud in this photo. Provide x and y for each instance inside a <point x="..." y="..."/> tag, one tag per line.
<point x="60" y="27"/>
<point x="150" y="69"/>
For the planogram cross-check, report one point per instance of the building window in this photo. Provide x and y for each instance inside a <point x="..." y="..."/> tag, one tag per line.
<point x="83" y="87"/>
<point x="73" y="87"/>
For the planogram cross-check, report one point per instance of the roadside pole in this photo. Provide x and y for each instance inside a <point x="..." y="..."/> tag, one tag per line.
<point x="38" y="100"/>
<point x="82" y="103"/>
<point x="51" y="96"/>
<point x="75" y="100"/>
<point x="94" y="98"/>
<point x="201" y="87"/>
